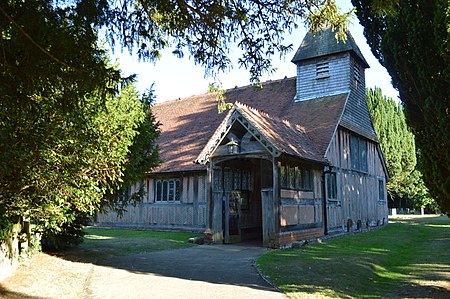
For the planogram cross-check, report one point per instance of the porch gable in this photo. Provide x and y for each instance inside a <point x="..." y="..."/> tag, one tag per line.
<point x="269" y="134"/>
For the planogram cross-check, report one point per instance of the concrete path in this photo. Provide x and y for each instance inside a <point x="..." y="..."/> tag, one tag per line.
<point x="217" y="271"/>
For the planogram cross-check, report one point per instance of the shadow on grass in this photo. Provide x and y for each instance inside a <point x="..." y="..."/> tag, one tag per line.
<point x="102" y="243"/>
<point x="405" y="259"/>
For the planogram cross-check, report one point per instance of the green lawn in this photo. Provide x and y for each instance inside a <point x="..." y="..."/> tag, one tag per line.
<point x="407" y="258"/>
<point x="105" y="243"/>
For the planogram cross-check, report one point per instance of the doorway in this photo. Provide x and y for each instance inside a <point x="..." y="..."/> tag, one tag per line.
<point x="241" y="200"/>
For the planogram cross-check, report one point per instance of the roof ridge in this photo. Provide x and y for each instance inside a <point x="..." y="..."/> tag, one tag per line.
<point x="265" y="83"/>
<point x="168" y="102"/>
<point x="253" y="109"/>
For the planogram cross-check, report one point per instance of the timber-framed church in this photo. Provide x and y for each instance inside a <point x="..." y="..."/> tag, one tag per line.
<point x="293" y="160"/>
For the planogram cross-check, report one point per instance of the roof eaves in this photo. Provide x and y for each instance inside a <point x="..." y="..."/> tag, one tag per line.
<point x="323" y="161"/>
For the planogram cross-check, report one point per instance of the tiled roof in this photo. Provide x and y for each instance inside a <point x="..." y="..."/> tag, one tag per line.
<point x="357" y="117"/>
<point x="324" y="43"/>
<point x="187" y="124"/>
<point x="286" y="137"/>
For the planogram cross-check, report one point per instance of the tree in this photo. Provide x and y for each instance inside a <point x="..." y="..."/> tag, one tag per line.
<point x="206" y="29"/>
<point x="117" y="149"/>
<point x="71" y="129"/>
<point x="411" y="39"/>
<point x="68" y="140"/>
<point x="398" y="145"/>
<point x="82" y="156"/>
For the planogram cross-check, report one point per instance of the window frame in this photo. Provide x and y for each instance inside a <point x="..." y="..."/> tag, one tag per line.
<point x="296" y="178"/>
<point x="358" y="157"/>
<point x="381" y="191"/>
<point x="167" y="190"/>
<point x="331" y="185"/>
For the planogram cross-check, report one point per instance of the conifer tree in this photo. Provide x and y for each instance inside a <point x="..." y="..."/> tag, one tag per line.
<point x="412" y="40"/>
<point x="398" y="145"/>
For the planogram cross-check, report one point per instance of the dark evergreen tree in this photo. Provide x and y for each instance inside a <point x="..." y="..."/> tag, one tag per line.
<point x="405" y="184"/>
<point x="411" y="39"/>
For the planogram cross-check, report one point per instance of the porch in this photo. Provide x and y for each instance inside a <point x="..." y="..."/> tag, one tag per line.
<point x="265" y="181"/>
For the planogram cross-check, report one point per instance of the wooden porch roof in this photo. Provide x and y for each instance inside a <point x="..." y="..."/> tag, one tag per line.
<point x="288" y="138"/>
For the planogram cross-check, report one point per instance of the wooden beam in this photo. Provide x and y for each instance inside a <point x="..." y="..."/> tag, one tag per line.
<point x="276" y="194"/>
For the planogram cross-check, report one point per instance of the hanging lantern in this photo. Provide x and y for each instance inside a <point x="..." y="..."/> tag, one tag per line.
<point x="233" y="147"/>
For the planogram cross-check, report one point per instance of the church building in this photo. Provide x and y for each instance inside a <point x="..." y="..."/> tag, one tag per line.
<point x="293" y="160"/>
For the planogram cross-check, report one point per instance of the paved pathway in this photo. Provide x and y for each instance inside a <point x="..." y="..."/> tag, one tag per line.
<point x="217" y="271"/>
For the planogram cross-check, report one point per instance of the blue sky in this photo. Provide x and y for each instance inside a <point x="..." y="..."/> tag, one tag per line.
<point x="178" y="78"/>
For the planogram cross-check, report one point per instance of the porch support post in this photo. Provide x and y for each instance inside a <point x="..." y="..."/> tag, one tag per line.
<point x="270" y="207"/>
<point x="215" y="206"/>
<point x="209" y="197"/>
<point x="276" y="195"/>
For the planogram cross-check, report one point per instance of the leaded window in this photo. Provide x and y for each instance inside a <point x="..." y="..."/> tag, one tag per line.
<point x="292" y="179"/>
<point x="296" y="178"/>
<point x="331" y="186"/>
<point x="228" y="179"/>
<point x="381" y="189"/>
<point x="358" y="153"/>
<point x="167" y="190"/>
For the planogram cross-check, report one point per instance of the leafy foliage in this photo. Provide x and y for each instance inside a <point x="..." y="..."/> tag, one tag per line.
<point x="397" y="142"/>
<point x="328" y="15"/>
<point x="5" y="224"/>
<point x="411" y="39"/>
<point x="206" y="29"/>
<point x="71" y="129"/>
<point x="68" y="235"/>
<point x="142" y="155"/>
<point x="222" y="105"/>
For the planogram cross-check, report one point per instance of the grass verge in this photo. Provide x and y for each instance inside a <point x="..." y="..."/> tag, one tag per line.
<point x="407" y="258"/>
<point x="106" y="243"/>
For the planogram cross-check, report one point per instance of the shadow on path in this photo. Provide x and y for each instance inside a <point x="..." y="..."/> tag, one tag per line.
<point x="224" y="264"/>
<point x="206" y="271"/>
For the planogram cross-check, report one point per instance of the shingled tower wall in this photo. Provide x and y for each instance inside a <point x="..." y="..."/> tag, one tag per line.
<point x="327" y="66"/>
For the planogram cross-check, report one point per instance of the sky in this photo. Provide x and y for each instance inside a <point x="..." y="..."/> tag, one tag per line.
<point x="175" y="78"/>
